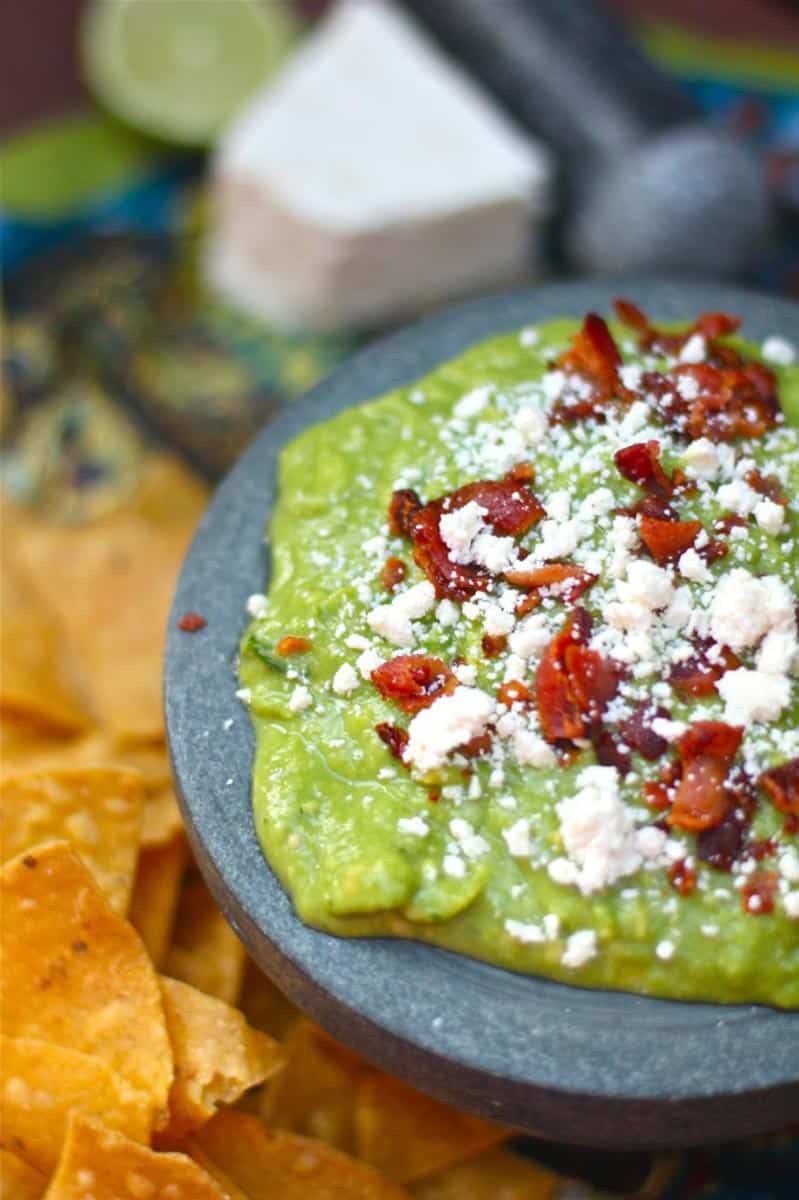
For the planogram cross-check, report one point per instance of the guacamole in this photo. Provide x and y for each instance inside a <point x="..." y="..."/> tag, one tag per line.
<point x="525" y="684"/>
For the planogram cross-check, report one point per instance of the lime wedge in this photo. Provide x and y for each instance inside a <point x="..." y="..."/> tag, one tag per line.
<point x="179" y="69"/>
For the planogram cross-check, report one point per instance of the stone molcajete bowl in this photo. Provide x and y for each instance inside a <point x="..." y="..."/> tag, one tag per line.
<point x="590" y="1067"/>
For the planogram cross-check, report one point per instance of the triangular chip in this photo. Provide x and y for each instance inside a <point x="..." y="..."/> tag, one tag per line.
<point x="96" y="809"/>
<point x="267" y="1164"/>
<point x="18" y="1181"/>
<point x="495" y="1175"/>
<point x="409" y="1135"/>
<point x="316" y="1093"/>
<point x="76" y="974"/>
<point x="39" y="681"/>
<point x="43" y="1083"/>
<point x="205" y="951"/>
<point x="264" y="1005"/>
<point x="217" y="1057"/>
<point x="99" y="1163"/>
<point x="156" y="889"/>
<point x="160" y="819"/>
<point x="111" y="586"/>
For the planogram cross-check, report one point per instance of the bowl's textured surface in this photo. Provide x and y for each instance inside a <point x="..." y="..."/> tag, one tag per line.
<point x="589" y="1067"/>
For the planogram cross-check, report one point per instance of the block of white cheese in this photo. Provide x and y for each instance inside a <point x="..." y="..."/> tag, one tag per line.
<point x="372" y="180"/>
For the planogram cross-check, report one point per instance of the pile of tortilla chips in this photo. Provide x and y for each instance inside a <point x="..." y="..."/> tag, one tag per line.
<point x="143" y="1055"/>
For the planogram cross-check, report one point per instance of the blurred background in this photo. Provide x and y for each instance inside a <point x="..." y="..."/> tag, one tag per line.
<point x="206" y="204"/>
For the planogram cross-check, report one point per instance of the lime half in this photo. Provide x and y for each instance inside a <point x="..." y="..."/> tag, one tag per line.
<point x="179" y="69"/>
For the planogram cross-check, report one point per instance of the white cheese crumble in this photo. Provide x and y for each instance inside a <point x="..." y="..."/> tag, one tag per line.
<point x="701" y="459"/>
<point x="416" y="826"/>
<point x="345" y="680"/>
<point x="769" y="516"/>
<point x="751" y="696"/>
<point x="300" y="699"/>
<point x="744" y="608"/>
<point x="598" y="830"/>
<point x="517" y="838"/>
<point x="257" y="605"/>
<point x="581" y="947"/>
<point x="779" y="350"/>
<point x="694" y="350"/>
<point x="449" y="722"/>
<point x="394" y="621"/>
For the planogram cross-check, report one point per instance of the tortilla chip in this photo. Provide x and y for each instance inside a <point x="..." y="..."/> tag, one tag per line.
<point x="495" y="1175"/>
<point x="408" y="1135"/>
<point x="76" y="974"/>
<point x="155" y="895"/>
<point x="99" y="1163"/>
<point x="43" y="1083"/>
<point x="205" y="951"/>
<point x="111" y="586"/>
<point x="217" y="1057"/>
<point x="25" y="746"/>
<point x="264" y="1005"/>
<point x="39" y="681"/>
<point x="18" y="1181"/>
<point x="315" y="1095"/>
<point x="96" y="809"/>
<point x="160" y="820"/>
<point x="266" y="1163"/>
<point x="168" y="493"/>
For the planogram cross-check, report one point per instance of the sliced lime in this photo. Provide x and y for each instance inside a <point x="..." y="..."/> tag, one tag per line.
<point x="179" y="69"/>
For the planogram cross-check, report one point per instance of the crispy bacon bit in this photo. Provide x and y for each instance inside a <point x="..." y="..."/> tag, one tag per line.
<point x="527" y="604"/>
<point x="573" y="683"/>
<point x="728" y="522"/>
<point x="413" y="681"/>
<point x="758" y="893"/>
<point x="640" y="463"/>
<point x="781" y="785"/>
<point x="699" y="674"/>
<point x="493" y="644"/>
<point x="713" y="549"/>
<point x="760" y="848"/>
<point x="656" y="795"/>
<point x="404" y="506"/>
<point x="657" y="507"/>
<point x="682" y="877"/>
<point x="595" y="356"/>
<point x="570" y="580"/>
<point x="476" y="746"/>
<point x="395" y="738"/>
<point x="638" y="733"/>
<point x="523" y="472"/>
<point x="292" y="645"/>
<point x="192" y="622"/>
<point x="630" y="315"/>
<point x="609" y="753"/>
<point x="716" y="325"/>
<point x="766" y="485"/>
<point x="711" y="325"/>
<point x="514" y="692"/>
<point x="667" y="540"/>
<point x="393" y="573"/>
<point x="511" y="509"/>
<point x="434" y="795"/>
<point x="733" y="400"/>
<point x="706" y="750"/>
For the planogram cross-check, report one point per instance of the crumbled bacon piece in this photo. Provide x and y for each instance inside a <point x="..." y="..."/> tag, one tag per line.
<point x="640" y="463"/>
<point x="711" y="325"/>
<point x="514" y="692"/>
<point x="477" y="746"/>
<point x="527" y="604"/>
<point x="595" y="357"/>
<point x="706" y="749"/>
<point x="404" y="506"/>
<point x="493" y="644"/>
<point x="573" y="683"/>
<point x="728" y="522"/>
<point x="656" y="795"/>
<point x="657" y="507"/>
<point x="192" y="622"/>
<point x="569" y="579"/>
<point x="713" y="549"/>
<point x="292" y="645"/>
<point x="393" y="573"/>
<point x="609" y="753"/>
<point x="638" y="733"/>
<point x="395" y="738"/>
<point x="667" y="540"/>
<point x="413" y="681"/>
<point x="714" y="325"/>
<point x="781" y="785"/>
<point x="523" y="472"/>
<point x="682" y="877"/>
<point x="630" y="315"/>
<point x="733" y="400"/>
<point x="759" y="892"/>
<point x="698" y="675"/>
<point x="510" y="507"/>
<point x="766" y="485"/>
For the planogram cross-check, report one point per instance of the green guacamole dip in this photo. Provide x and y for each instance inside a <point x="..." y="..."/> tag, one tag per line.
<point x="458" y="853"/>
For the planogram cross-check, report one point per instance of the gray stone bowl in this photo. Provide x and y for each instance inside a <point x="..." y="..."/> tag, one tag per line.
<point x="590" y="1067"/>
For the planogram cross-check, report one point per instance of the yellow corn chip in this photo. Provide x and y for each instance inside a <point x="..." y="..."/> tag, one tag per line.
<point x="160" y="820"/>
<point x="76" y="974"/>
<point x="155" y="895"/>
<point x="18" y="1181"/>
<point x="267" y="1164"/>
<point x="495" y="1175"/>
<point x="111" y="585"/>
<point x="315" y="1095"/>
<point x="168" y="493"/>
<point x="205" y="951"/>
<point x="98" y="1163"/>
<point x="43" y="1083"/>
<point x="264" y="1005"/>
<point x="38" y="682"/>
<point x="96" y="809"/>
<point x="408" y="1135"/>
<point x="217" y="1057"/>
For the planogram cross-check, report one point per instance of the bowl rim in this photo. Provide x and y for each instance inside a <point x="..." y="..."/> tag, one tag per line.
<point x="599" y="1067"/>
